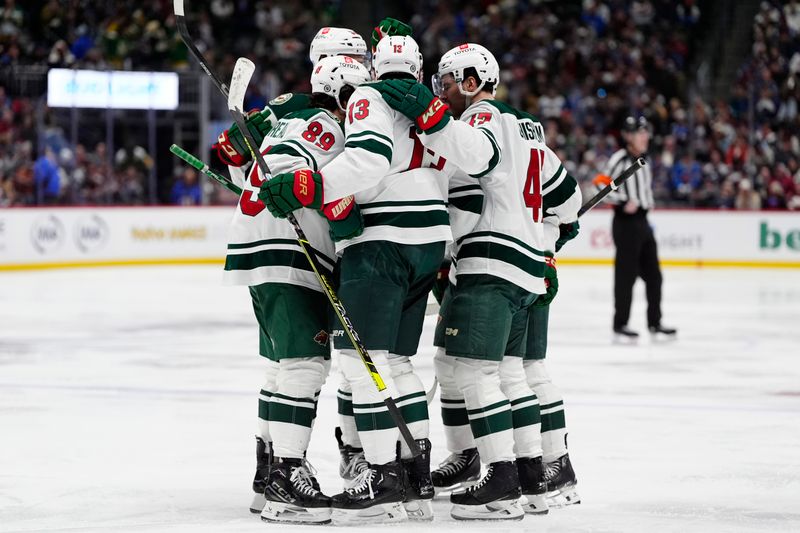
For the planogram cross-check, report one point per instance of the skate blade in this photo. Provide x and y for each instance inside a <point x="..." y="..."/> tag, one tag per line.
<point x="385" y="513"/>
<point x="257" y="505"/>
<point x="499" y="510"/>
<point x="663" y="338"/>
<point x="286" y="513"/>
<point x="624" y="340"/>
<point x="534" y="504"/>
<point x="563" y="497"/>
<point x="458" y="487"/>
<point x="419" y="510"/>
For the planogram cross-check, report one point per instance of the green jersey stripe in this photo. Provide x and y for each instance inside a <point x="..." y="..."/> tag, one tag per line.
<point x="554" y="178"/>
<point x="270" y="258"/>
<point x="371" y="133"/>
<point x="290" y="414"/>
<point x="302" y="149"/>
<point x="499" y="252"/>
<point x="524" y="399"/>
<point x="495" y="155"/>
<point x="465" y="188"/>
<point x="285" y="149"/>
<point x="454" y="417"/>
<point x="400" y="203"/>
<point x="560" y="194"/>
<point x="413" y="219"/>
<point x="372" y="146"/>
<point x="551" y="405"/>
<point x="473" y="204"/>
<point x="327" y="261"/>
<point x="502" y="236"/>
<point x="525" y="417"/>
<point x="445" y="400"/>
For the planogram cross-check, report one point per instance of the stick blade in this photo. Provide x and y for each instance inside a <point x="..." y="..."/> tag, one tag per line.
<point x="242" y="73"/>
<point x="177" y="7"/>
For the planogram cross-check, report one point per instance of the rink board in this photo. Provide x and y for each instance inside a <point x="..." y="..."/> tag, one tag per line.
<point x="65" y="237"/>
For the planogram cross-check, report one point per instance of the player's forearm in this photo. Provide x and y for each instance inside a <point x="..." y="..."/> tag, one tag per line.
<point x="355" y="170"/>
<point x="468" y="148"/>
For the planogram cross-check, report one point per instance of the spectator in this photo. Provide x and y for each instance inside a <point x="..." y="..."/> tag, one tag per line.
<point x="747" y="198"/>
<point x="47" y="179"/>
<point x="186" y="190"/>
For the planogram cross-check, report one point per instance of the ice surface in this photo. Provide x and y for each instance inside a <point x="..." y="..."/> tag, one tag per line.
<point x="128" y="403"/>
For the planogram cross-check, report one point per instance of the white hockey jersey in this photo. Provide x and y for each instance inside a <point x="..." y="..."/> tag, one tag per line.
<point x="505" y="150"/>
<point x="263" y="248"/>
<point x="399" y="184"/>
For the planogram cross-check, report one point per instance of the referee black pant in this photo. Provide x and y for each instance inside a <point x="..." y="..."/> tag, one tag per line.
<point x="637" y="256"/>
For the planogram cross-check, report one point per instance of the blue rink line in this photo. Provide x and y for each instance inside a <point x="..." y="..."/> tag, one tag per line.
<point x="154" y="392"/>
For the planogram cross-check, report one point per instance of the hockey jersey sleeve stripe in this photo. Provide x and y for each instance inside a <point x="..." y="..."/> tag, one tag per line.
<point x="560" y="194"/>
<point x="472" y="203"/>
<point x="285" y="149"/>
<point x="495" y="154"/>
<point x="521" y="244"/>
<point x="309" y="157"/>
<point x="552" y="181"/>
<point x="371" y="134"/>
<point x="416" y="219"/>
<point x="372" y="146"/>
<point x="465" y="188"/>
<point x="505" y="254"/>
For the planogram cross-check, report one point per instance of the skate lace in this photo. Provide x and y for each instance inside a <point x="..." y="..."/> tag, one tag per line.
<point x="454" y="463"/>
<point x="355" y="466"/>
<point x="363" y="481"/>
<point x="301" y="480"/>
<point x="483" y="481"/>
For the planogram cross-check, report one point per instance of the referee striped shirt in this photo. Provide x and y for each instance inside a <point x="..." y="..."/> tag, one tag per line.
<point x="638" y="187"/>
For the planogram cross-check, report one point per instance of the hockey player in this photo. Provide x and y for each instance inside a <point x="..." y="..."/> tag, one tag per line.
<point x="290" y="306"/>
<point x="232" y="150"/>
<point x="386" y="274"/>
<point x="502" y="268"/>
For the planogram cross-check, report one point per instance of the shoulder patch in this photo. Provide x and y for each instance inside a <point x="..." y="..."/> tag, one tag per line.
<point x="280" y="99"/>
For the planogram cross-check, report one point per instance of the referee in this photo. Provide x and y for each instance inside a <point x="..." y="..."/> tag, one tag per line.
<point x="637" y="255"/>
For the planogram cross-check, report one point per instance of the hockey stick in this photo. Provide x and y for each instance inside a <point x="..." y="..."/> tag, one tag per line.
<point x="205" y="169"/>
<point x="613" y="186"/>
<point x="242" y="72"/>
<point x="235" y="104"/>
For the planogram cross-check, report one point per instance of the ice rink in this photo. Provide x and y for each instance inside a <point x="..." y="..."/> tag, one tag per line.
<point x="128" y="403"/>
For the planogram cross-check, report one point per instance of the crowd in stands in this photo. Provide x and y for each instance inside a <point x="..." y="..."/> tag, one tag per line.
<point x="581" y="66"/>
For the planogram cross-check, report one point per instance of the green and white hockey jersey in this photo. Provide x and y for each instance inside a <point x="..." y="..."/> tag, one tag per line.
<point x="399" y="184"/>
<point x="263" y="248"/>
<point x="505" y="150"/>
<point x="561" y="197"/>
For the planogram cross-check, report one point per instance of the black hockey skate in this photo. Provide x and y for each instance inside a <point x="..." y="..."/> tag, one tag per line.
<point x="458" y="471"/>
<point x="291" y="497"/>
<point x="561" y="482"/>
<point x="418" y="485"/>
<point x="263" y="453"/>
<point x="625" y="335"/>
<point x="351" y="462"/>
<point x="495" y="497"/>
<point x="534" y="486"/>
<point x="376" y="497"/>
<point x="662" y="333"/>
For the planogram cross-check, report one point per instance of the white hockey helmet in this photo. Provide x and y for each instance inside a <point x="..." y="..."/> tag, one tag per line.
<point x="333" y="73"/>
<point x="337" y="42"/>
<point x="462" y="57"/>
<point x="397" y="54"/>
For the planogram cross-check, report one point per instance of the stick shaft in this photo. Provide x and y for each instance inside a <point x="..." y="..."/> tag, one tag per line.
<point x="627" y="173"/>
<point x="205" y="169"/>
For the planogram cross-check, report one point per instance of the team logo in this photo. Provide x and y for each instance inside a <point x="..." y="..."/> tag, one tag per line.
<point x="280" y="99"/>
<point x="91" y="233"/>
<point x="47" y="234"/>
<point x="451" y="331"/>
<point x="321" y="338"/>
